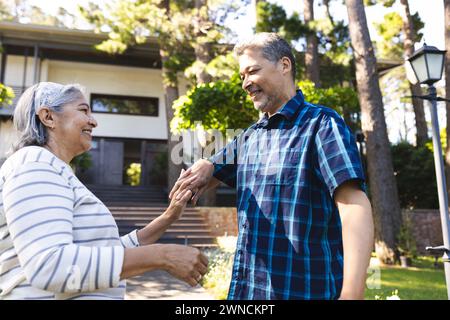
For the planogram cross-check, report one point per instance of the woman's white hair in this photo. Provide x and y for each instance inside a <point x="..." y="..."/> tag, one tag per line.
<point x="52" y="95"/>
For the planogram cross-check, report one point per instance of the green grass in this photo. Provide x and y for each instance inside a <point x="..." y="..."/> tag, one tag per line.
<point x="422" y="281"/>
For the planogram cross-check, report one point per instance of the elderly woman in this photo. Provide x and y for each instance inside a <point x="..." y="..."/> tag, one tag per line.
<point x="57" y="240"/>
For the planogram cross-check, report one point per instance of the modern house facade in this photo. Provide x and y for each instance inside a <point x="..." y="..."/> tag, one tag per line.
<point x="125" y="92"/>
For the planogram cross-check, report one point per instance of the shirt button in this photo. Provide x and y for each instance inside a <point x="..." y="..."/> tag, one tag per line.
<point x="239" y="251"/>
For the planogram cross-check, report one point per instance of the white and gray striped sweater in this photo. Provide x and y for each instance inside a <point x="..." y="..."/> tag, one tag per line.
<point x="57" y="240"/>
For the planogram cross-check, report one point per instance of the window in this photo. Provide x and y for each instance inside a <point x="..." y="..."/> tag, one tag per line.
<point x="144" y="106"/>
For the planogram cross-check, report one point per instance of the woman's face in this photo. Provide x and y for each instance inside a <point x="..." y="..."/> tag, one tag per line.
<point x="73" y="127"/>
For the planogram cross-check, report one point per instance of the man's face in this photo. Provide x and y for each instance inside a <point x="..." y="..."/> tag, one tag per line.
<point x="262" y="80"/>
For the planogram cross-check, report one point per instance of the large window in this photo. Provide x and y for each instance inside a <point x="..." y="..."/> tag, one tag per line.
<point x="144" y="106"/>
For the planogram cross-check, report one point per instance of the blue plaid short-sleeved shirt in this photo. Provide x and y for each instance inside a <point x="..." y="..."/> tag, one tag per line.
<point x="285" y="169"/>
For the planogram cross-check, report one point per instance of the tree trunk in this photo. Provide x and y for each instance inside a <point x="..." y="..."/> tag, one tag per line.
<point x="447" y="86"/>
<point x="408" y="45"/>
<point x="311" y="54"/>
<point x="326" y="3"/>
<point x="203" y="55"/>
<point x="170" y="84"/>
<point x="171" y="94"/>
<point x="383" y="188"/>
<point x="202" y="47"/>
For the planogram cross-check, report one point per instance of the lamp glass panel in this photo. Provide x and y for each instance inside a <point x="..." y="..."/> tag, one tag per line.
<point x="435" y="61"/>
<point x="420" y="68"/>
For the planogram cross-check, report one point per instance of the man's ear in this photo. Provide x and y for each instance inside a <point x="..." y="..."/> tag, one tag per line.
<point x="286" y="65"/>
<point x="46" y="117"/>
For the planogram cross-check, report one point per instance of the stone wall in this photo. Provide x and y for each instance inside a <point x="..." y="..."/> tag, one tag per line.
<point x="221" y="220"/>
<point x="425" y="224"/>
<point x="426" y="228"/>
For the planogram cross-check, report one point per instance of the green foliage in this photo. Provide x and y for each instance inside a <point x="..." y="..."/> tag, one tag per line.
<point x="342" y="99"/>
<point x="429" y="144"/>
<point x="23" y="11"/>
<point x="177" y="30"/>
<point x="391" y="32"/>
<point x="134" y="174"/>
<point x="218" y="105"/>
<point x="218" y="277"/>
<point x="272" y="18"/>
<point x="81" y="162"/>
<point x="6" y="95"/>
<point x="406" y="244"/>
<point x="415" y="175"/>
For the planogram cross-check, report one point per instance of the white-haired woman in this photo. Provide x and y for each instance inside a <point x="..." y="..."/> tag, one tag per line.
<point x="57" y="240"/>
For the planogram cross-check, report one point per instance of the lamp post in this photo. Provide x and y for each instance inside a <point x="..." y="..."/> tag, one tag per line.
<point x="427" y="63"/>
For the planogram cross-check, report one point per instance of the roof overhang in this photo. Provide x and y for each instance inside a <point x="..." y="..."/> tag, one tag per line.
<point x="73" y="45"/>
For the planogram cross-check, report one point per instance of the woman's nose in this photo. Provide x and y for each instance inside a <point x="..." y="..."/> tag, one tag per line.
<point x="92" y="121"/>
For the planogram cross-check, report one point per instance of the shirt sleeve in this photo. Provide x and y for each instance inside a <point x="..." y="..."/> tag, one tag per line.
<point x="130" y="240"/>
<point x="337" y="154"/>
<point x="225" y="163"/>
<point x="38" y="204"/>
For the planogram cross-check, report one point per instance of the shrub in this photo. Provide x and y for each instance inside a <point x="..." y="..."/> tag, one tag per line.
<point x="415" y="175"/>
<point x="217" y="279"/>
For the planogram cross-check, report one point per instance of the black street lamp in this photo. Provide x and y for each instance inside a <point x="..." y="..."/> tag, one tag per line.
<point x="428" y="64"/>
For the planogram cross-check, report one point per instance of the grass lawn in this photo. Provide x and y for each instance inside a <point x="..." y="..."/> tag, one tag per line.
<point x="422" y="281"/>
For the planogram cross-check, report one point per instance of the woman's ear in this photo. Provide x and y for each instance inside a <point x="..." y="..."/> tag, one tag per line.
<point x="46" y="117"/>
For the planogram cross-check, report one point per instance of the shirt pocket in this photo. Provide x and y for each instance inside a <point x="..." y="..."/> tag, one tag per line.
<point x="280" y="168"/>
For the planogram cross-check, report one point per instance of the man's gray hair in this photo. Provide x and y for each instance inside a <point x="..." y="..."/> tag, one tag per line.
<point x="26" y="121"/>
<point x="272" y="46"/>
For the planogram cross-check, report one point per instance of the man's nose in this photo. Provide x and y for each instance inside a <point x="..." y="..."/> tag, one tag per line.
<point x="245" y="83"/>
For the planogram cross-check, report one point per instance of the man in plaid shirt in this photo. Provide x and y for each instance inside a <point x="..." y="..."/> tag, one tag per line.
<point x="305" y="223"/>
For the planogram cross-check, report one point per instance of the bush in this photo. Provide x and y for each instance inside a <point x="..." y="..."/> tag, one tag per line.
<point x="415" y="175"/>
<point x="217" y="279"/>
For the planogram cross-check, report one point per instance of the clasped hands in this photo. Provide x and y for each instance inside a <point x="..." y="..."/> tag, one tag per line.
<point x="195" y="179"/>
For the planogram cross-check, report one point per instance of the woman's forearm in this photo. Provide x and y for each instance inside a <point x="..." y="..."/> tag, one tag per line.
<point x="155" y="229"/>
<point x="139" y="260"/>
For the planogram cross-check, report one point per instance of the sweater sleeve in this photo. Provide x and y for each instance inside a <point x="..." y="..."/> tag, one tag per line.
<point x="38" y="204"/>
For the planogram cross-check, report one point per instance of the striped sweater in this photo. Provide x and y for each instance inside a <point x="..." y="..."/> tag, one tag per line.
<point x="57" y="240"/>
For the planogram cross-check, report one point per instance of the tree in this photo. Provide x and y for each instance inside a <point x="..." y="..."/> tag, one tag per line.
<point x="23" y="12"/>
<point x="447" y="86"/>
<point x="6" y="95"/>
<point x="311" y="54"/>
<point x="411" y="36"/>
<point x="384" y="194"/>
<point x="399" y="33"/>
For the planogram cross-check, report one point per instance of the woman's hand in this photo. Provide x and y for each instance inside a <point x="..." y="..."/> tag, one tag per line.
<point x="178" y="203"/>
<point x="185" y="263"/>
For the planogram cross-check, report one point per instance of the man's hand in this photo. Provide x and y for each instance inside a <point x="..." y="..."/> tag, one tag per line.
<point x="196" y="179"/>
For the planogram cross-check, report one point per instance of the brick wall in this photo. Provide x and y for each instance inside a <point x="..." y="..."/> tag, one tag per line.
<point x="221" y="220"/>
<point x="425" y="224"/>
<point x="426" y="228"/>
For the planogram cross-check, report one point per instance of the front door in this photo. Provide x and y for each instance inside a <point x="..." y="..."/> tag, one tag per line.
<point x="111" y="162"/>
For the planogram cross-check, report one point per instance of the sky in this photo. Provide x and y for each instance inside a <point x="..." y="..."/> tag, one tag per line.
<point x="430" y="11"/>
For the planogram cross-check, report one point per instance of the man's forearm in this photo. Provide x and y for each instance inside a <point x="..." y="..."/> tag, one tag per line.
<point x="357" y="237"/>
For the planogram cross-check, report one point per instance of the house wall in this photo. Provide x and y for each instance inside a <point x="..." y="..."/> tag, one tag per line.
<point x="100" y="79"/>
<point x="7" y="136"/>
<point x="107" y="79"/>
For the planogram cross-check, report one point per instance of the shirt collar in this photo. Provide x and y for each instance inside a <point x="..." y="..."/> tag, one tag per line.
<point x="288" y="110"/>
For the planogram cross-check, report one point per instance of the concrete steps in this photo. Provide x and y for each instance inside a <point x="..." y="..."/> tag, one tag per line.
<point x="190" y="229"/>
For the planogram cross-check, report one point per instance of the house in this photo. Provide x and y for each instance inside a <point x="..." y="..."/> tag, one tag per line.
<point x="125" y="92"/>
